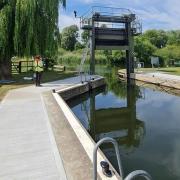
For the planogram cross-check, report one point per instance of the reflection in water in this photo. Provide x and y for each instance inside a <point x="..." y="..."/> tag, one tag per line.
<point x="119" y="123"/>
<point x="145" y="123"/>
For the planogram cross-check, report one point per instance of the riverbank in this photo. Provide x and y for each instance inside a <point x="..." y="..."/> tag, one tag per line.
<point x="156" y="78"/>
<point x="167" y="70"/>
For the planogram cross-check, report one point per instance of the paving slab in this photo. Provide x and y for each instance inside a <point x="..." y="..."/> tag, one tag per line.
<point x="28" y="147"/>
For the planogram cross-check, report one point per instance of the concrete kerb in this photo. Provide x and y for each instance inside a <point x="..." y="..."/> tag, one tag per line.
<point x="85" y="139"/>
<point x="4" y="99"/>
<point x="80" y="88"/>
<point x="152" y="79"/>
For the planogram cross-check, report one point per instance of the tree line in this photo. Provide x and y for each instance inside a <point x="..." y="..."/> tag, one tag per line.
<point x="160" y="43"/>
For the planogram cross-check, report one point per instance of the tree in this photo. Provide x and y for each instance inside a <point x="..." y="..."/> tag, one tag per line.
<point x="78" y="45"/>
<point x="144" y="49"/>
<point x="7" y="23"/>
<point x="85" y="36"/>
<point x="169" y="52"/>
<point x="173" y="37"/>
<point x="3" y="3"/>
<point x="158" y="38"/>
<point x="69" y="37"/>
<point x="27" y="27"/>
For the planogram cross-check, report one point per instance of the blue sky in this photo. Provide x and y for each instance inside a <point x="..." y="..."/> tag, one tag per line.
<point x="155" y="14"/>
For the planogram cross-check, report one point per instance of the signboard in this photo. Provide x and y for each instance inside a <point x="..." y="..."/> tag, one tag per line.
<point x="155" y="61"/>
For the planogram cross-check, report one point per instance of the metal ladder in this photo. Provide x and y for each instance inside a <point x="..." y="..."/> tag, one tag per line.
<point x="84" y="55"/>
<point x="134" y="174"/>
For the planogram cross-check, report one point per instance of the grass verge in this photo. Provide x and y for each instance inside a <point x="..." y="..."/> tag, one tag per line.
<point x="20" y="82"/>
<point x="168" y="70"/>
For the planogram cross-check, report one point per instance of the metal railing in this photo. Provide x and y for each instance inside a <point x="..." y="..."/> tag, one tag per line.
<point x="132" y="175"/>
<point x="84" y="57"/>
<point x="106" y="140"/>
<point x="86" y="19"/>
<point x="138" y="173"/>
<point x="106" y="11"/>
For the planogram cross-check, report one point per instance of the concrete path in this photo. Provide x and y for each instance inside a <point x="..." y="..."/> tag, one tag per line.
<point x="164" y="76"/>
<point x="28" y="149"/>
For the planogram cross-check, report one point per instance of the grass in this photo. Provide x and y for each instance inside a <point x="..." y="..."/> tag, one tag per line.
<point x="171" y="70"/>
<point x="168" y="70"/>
<point x="20" y="82"/>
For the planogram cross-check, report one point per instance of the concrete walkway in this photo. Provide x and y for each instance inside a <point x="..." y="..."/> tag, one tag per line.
<point x="164" y="76"/>
<point x="157" y="78"/>
<point x="28" y="149"/>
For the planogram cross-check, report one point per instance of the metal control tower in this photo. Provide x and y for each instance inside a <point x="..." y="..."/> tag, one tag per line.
<point x="112" y="29"/>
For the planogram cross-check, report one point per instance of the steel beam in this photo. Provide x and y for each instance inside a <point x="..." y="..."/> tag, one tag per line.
<point x="92" y="50"/>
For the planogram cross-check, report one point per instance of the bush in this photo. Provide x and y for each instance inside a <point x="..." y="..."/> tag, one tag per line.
<point x="168" y="53"/>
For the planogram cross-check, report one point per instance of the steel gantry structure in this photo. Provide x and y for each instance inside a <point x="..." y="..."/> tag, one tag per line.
<point x="111" y="29"/>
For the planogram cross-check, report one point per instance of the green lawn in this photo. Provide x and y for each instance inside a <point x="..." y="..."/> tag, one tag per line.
<point x="171" y="70"/>
<point x="168" y="70"/>
<point x="20" y="82"/>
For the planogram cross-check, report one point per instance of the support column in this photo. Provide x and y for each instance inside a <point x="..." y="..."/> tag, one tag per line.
<point x="129" y="52"/>
<point x="132" y="53"/>
<point x="92" y="51"/>
<point x="92" y="115"/>
<point x="128" y="65"/>
<point x="131" y="105"/>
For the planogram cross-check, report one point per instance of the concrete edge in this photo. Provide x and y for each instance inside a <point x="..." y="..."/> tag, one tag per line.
<point x="96" y="78"/>
<point x="86" y="141"/>
<point x="4" y="98"/>
<point x="141" y="78"/>
<point x="57" y="156"/>
<point x="77" y="89"/>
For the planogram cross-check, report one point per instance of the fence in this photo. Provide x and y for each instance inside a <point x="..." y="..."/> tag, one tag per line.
<point x="22" y="66"/>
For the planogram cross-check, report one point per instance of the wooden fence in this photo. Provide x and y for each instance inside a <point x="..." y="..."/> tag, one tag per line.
<point x="22" y="66"/>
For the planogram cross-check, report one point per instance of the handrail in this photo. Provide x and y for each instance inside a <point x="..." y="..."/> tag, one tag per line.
<point x="84" y="55"/>
<point x="138" y="173"/>
<point x="132" y="175"/>
<point x="106" y="140"/>
<point x="99" y="9"/>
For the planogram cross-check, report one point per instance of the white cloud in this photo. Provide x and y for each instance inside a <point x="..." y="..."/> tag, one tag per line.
<point x="67" y="20"/>
<point x="154" y="14"/>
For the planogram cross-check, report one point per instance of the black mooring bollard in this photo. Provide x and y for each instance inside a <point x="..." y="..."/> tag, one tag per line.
<point x="105" y="168"/>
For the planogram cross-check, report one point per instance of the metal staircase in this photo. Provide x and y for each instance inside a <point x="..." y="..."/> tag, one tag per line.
<point x="84" y="57"/>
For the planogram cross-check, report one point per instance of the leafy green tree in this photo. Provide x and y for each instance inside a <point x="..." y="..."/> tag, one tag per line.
<point x="144" y="49"/>
<point x="3" y="3"/>
<point x="173" y="37"/>
<point x="168" y="53"/>
<point x="69" y="37"/>
<point x="78" y="45"/>
<point x="85" y="36"/>
<point x="158" y="38"/>
<point x="27" y="27"/>
<point x="7" y="23"/>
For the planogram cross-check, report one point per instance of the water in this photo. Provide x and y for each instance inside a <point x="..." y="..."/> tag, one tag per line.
<point x="145" y="123"/>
